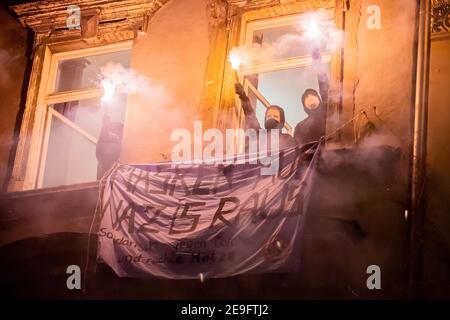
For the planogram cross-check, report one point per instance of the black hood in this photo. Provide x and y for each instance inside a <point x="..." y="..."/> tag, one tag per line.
<point x="315" y="93"/>
<point x="282" y="117"/>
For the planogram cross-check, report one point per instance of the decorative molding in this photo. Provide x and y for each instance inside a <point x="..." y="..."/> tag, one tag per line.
<point x="440" y="16"/>
<point x="217" y="12"/>
<point x="253" y="4"/>
<point x="116" y="20"/>
<point x="246" y="5"/>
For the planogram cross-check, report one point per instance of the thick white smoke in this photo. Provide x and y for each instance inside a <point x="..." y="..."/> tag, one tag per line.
<point x="314" y="29"/>
<point x="116" y="79"/>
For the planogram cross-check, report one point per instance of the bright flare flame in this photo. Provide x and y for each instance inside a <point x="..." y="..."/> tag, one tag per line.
<point x="109" y="89"/>
<point x="313" y="31"/>
<point x="235" y="60"/>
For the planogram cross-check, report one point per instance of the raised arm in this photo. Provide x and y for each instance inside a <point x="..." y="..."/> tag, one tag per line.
<point x="322" y="77"/>
<point x="251" y="122"/>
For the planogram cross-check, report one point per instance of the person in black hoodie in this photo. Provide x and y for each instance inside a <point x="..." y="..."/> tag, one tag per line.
<point x="313" y="127"/>
<point x="108" y="145"/>
<point x="274" y="119"/>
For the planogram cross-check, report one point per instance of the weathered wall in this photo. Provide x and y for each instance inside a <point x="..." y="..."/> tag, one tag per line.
<point x="379" y="69"/>
<point x="13" y="61"/>
<point x="362" y="223"/>
<point x="173" y="53"/>
<point x="437" y="223"/>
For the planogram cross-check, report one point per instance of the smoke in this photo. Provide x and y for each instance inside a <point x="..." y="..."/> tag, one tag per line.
<point x="314" y="30"/>
<point x="147" y="99"/>
<point x="116" y="79"/>
<point x="375" y="76"/>
<point x="9" y="60"/>
<point x="249" y="56"/>
<point x="319" y="29"/>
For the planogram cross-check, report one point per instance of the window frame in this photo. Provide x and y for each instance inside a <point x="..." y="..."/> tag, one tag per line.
<point x="35" y="163"/>
<point x="247" y="29"/>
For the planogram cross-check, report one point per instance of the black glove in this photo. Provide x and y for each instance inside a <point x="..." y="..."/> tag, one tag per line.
<point x="239" y="89"/>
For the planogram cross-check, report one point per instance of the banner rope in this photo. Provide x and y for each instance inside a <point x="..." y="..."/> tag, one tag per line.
<point x="99" y="198"/>
<point x="113" y="168"/>
<point x="362" y="112"/>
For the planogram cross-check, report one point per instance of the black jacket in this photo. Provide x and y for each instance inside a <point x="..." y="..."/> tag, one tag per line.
<point x="251" y="122"/>
<point x="313" y="127"/>
<point x="108" y="146"/>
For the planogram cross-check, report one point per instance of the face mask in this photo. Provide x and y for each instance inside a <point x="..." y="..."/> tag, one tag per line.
<point x="312" y="105"/>
<point x="271" y="123"/>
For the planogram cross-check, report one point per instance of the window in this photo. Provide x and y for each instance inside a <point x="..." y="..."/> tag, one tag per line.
<point x="283" y="78"/>
<point x="75" y="114"/>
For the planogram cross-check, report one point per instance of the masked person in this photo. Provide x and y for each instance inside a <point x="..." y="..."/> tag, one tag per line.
<point x="313" y="127"/>
<point x="108" y="145"/>
<point x="274" y="119"/>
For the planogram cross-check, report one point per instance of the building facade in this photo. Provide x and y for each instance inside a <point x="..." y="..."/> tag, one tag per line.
<point x="174" y="57"/>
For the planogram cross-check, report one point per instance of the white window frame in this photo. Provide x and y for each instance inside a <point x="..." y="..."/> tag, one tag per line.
<point x="41" y="126"/>
<point x="246" y="38"/>
<point x="281" y="64"/>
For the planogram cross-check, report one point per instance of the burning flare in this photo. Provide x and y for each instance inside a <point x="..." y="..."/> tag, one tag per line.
<point x="115" y="79"/>
<point x="313" y="30"/>
<point x="109" y="89"/>
<point x="235" y="59"/>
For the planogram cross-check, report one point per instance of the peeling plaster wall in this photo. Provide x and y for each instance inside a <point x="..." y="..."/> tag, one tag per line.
<point x="362" y="223"/>
<point x="437" y="223"/>
<point x="379" y="68"/>
<point x="13" y="42"/>
<point x="174" y="54"/>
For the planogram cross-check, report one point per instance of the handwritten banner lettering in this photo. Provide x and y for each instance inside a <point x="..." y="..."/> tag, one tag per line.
<point x="178" y="221"/>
